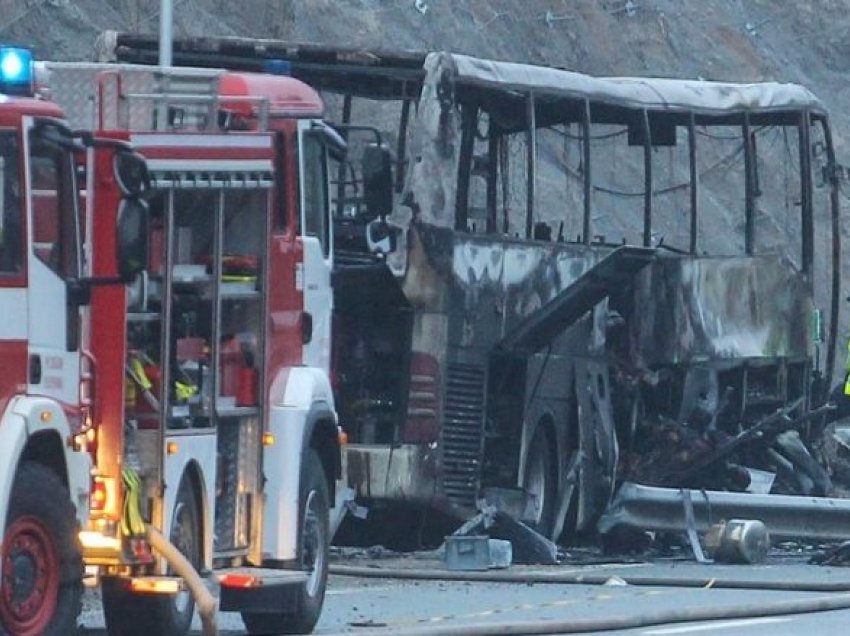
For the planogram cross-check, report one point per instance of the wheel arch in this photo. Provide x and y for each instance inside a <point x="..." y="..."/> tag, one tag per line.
<point x="192" y="473"/>
<point x="46" y="448"/>
<point x="322" y="436"/>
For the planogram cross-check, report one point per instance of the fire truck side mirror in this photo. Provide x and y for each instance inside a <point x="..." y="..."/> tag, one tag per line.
<point x="132" y="239"/>
<point x="377" y="181"/>
<point x="380" y="237"/>
<point x="131" y="173"/>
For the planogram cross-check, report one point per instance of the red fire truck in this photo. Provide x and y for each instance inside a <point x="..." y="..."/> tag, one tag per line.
<point x="47" y="371"/>
<point x="210" y="413"/>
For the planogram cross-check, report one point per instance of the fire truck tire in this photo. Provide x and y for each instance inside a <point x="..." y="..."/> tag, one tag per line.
<point x="314" y="545"/>
<point x="42" y="584"/>
<point x="540" y="480"/>
<point x="129" y="614"/>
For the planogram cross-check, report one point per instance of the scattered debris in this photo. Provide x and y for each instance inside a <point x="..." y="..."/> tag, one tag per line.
<point x="421" y="6"/>
<point x="836" y="555"/>
<point x="738" y="541"/>
<point x="477" y="553"/>
<point x="527" y="545"/>
<point x="550" y="18"/>
<point x="616" y="581"/>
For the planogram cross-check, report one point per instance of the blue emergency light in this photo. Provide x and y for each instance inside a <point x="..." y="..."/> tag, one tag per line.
<point x="16" y="71"/>
<point x="275" y="66"/>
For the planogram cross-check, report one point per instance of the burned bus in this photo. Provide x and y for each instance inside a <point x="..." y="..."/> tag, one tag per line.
<point x="586" y="295"/>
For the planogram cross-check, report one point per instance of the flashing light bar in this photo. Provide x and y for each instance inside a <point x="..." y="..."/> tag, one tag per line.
<point x="16" y="70"/>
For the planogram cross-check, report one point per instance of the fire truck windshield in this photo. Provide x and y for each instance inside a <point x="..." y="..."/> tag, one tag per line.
<point x="10" y="203"/>
<point x="54" y="204"/>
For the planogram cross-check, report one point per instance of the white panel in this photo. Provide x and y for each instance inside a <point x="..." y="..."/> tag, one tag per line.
<point x="13" y="307"/>
<point x="229" y="141"/>
<point x="60" y="369"/>
<point x="13" y="436"/>
<point x="202" y="449"/>
<point x="282" y="469"/>
<point x="227" y="166"/>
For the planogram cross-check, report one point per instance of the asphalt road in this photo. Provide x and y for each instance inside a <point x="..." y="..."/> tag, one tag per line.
<point x="376" y="605"/>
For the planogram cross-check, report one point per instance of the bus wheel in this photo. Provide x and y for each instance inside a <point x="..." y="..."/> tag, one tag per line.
<point x="540" y="481"/>
<point x="129" y="614"/>
<point x="42" y="583"/>
<point x="314" y="542"/>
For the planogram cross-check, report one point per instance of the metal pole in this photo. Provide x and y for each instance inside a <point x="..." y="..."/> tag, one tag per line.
<point x="692" y="160"/>
<point x="166" y="27"/>
<point x="749" y="180"/>
<point x="647" y="180"/>
<point x="835" y="212"/>
<point x="588" y="184"/>
<point x="531" y="143"/>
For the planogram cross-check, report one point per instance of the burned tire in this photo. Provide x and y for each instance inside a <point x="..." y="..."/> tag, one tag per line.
<point x="540" y="480"/>
<point x="129" y="614"/>
<point x="42" y="583"/>
<point x="314" y="548"/>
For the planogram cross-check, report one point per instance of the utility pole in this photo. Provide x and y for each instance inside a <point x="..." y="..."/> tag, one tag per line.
<point x="166" y="25"/>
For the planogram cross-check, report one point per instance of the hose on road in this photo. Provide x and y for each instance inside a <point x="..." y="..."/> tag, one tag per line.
<point x="821" y="603"/>
<point x="204" y="600"/>
<point x="578" y="578"/>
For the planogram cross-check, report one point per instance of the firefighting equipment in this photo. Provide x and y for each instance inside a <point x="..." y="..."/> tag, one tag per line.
<point x="132" y="524"/>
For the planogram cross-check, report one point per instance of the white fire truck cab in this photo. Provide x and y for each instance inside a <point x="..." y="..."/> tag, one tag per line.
<point x="213" y="417"/>
<point x="47" y="208"/>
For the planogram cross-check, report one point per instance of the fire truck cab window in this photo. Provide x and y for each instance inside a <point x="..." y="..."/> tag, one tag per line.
<point x="315" y="194"/>
<point x="10" y="203"/>
<point x="53" y="206"/>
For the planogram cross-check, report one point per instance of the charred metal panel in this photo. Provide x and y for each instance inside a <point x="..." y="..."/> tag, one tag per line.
<point x="397" y="473"/>
<point x="498" y="283"/>
<point x="698" y="309"/>
<point x="607" y="276"/>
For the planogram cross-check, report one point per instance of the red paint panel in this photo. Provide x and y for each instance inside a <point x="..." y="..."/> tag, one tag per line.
<point x="108" y="322"/>
<point x="13" y="371"/>
<point x="285" y="302"/>
<point x="200" y="154"/>
<point x="286" y="96"/>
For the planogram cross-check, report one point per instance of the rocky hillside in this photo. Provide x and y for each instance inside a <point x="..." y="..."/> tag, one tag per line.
<point x="807" y="41"/>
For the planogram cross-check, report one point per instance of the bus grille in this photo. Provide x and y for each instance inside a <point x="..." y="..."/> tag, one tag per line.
<point x="462" y="434"/>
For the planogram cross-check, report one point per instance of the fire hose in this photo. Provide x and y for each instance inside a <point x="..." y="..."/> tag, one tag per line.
<point x="821" y="603"/>
<point x="132" y="524"/>
<point x="204" y="600"/>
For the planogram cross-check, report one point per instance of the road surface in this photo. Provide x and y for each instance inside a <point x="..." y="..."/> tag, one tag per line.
<point x="368" y="605"/>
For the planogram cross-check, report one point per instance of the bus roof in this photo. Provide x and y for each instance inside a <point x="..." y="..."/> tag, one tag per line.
<point x="650" y="93"/>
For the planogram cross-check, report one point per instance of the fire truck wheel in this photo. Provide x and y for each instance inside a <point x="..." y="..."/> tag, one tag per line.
<point x="540" y="480"/>
<point x="314" y="547"/>
<point x="42" y="584"/>
<point x="129" y="614"/>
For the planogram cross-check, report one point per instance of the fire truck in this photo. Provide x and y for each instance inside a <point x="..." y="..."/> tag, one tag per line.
<point x="45" y="391"/>
<point x="209" y="414"/>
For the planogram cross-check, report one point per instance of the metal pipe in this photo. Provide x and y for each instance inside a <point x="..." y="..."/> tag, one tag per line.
<point x="401" y="149"/>
<point x="531" y="158"/>
<point x="492" y="179"/>
<point x="166" y="26"/>
<point x="692" y="160"/>
<point x="835" y="213"/>
<point x="586" y="166"/>
<point x="749" y="187"/>
<point x="647" y="181"/>
<point x="469" y="119"/>
<point x="807" y="220"/>
<point x="786" y="516"/>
